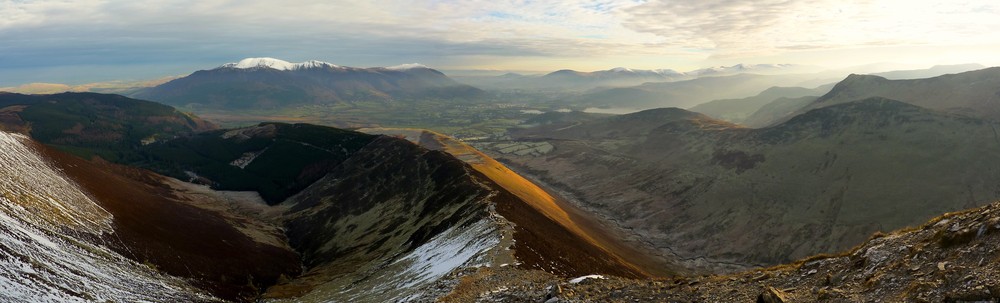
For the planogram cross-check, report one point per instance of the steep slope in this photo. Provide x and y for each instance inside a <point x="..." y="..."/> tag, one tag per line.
<point x="275" y="159"/>
<point x="712" y="192"/>
<point x="951" y="258"/>
<point x="149" y="234"/>
<point x="387" y="218"/>
<point x="257" y="83"/>
<point x="739" y="110"/>
<point x="44" y="216"/>
<point x="356" y="217"/>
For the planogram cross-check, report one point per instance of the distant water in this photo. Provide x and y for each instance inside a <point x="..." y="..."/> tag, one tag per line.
<point x="532" y="111"/>
<point x="610" y="110"/>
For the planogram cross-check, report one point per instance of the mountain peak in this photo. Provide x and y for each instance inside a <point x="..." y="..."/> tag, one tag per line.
<point x="278" y="64"/>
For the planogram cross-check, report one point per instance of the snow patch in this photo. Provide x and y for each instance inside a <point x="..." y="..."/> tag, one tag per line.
<point x="246" y="158"/>
<point x="45" y="219"/>
<point x="581" y="279"/>
<point x="278" y="64"/>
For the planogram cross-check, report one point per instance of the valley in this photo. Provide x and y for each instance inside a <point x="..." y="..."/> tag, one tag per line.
<point x="569" y="151"/>
<point x="274" y="181"/>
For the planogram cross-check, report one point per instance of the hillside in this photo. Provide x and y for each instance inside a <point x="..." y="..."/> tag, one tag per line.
<point x="711" y="191"/>
<point x="777" y="111"/>
<point x="295" y="213"/>
<point x="740" y="110"/>
<point x="948" y="259"/>
<point x="88" y="124"/>
<point x="973" y="93"/>
<point x="264" y="83"/>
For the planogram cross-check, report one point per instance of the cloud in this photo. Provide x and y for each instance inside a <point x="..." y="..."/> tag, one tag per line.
<point x="731" y="27"/>
<point x="524" y="34"/>
<point x="531" y="27"/>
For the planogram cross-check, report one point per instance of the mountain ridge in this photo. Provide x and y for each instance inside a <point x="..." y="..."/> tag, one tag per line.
<point x="256" y="85"/>
<point x="698" y="176"/>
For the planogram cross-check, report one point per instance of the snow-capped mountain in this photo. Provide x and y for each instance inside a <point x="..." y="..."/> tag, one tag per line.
<point x="278" y="64"/>
<point x="268" y="83"/>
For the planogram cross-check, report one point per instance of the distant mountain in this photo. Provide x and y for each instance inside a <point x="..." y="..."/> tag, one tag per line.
<point x="966" y="92"/>
<point x="109" y="87"/>
<point x="619" y="76"/>
<point x="737" y="110"/>
<point x="764" y="69"/>
<point x="975" y="93"/>
<point x="266" y="83"/>
<point x="689" y="93"/>
<point x="712" y="191"/>
<point x="577" y="81"/>
<point x="934" y="71"/>
<point x="571" y="80"/>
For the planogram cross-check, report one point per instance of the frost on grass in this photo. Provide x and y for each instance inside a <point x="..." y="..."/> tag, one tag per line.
<point x="45" y="220"/>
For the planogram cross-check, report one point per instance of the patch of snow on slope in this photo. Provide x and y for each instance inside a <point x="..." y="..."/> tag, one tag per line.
<point x="277" y="64"/>
<point x="45" y="221"/>
<point x="581" y="279"/>
<point x="446" y="252"/>
<point x="404" y="280"/>
<point x="246" y="158"/>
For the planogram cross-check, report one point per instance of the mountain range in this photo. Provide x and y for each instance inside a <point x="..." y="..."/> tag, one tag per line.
<point x="578" y="81"/>
<point x="272" y="211"/>
<point x="970" y="93"/>
<point x="712" y="191"/>
<point x="267" y="83"/>
<point x="111" y="198"/>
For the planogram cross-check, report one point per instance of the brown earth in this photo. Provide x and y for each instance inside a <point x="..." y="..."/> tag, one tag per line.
<point x="155" y="226"/>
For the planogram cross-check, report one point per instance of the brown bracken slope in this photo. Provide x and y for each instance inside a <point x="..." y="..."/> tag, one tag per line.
<point x="155" y="226"/>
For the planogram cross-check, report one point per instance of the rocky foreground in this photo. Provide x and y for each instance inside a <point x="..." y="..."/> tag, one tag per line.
<point x="952" y="258"/>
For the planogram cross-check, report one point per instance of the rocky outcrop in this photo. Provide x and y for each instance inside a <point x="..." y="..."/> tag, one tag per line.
<point x="949" y="259"/>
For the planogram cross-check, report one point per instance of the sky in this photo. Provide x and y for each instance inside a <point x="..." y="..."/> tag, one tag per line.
<point x="81" y="41"/>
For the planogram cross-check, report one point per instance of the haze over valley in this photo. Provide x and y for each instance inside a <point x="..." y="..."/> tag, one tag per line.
<point x="525" y="151"/>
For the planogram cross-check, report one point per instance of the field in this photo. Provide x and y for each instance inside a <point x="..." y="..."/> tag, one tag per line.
<point x="460" y="119"/>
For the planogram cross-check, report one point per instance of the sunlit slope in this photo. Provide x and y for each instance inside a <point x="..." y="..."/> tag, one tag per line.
<point x="594" y="239"/>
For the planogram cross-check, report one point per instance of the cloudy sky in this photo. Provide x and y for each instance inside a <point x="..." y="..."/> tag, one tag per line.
<point x="79" y="41"/>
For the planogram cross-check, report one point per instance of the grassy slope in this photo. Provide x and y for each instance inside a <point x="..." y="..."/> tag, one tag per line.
<point x="818" y="183"/>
